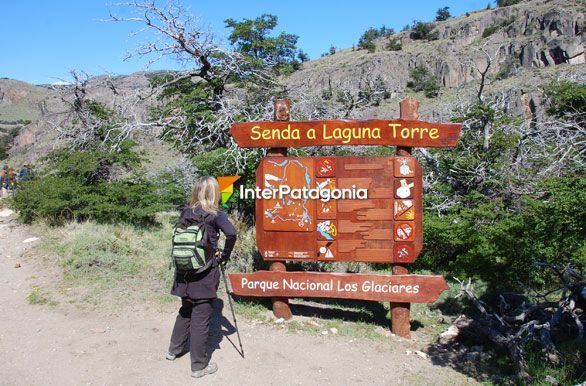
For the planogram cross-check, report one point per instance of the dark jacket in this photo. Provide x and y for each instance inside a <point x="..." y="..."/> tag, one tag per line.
<point x="204" y="284"/>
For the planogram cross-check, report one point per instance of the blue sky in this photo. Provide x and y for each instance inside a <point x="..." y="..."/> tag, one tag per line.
<point x="40" y="41"/>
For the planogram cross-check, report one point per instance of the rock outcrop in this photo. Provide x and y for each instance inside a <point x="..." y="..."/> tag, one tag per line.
<point x="514" y="40"/>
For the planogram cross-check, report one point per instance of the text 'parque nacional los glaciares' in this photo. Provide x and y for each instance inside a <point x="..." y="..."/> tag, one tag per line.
<point x="345" y="132"/>
<point x="409" y="288"/>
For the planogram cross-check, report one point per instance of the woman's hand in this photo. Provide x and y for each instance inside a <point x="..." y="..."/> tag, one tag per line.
<point x="219" y="258"/>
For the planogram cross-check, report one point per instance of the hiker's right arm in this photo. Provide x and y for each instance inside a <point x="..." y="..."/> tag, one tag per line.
<point x="229" y="231"/>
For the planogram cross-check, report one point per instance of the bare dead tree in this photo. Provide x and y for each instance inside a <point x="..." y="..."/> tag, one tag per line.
<point x="90" y="120"/>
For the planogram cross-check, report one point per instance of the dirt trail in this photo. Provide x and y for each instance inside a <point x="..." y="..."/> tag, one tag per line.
<point x="60" y="345"/>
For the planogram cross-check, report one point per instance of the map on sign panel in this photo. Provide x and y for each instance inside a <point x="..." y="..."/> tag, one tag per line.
<point x="287" y="213"/>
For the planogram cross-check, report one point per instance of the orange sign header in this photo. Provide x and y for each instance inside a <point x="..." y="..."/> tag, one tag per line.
<point x="396" y="132"/>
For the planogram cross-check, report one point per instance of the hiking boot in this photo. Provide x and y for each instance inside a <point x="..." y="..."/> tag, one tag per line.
<point x="210" y="369"/>
<point x="171" y="357"/>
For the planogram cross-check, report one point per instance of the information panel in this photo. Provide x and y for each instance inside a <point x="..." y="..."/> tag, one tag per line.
<point x="339" y="208"/>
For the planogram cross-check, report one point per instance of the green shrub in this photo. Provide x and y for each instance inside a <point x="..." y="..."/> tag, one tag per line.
<point x="490" y="30"/>
<point x="394" y="45"/>
<point x="489" y="240"/>
<point x="506" y="3"/>
<point x="367" y="45"/>
<point x="566" y="100"/>
<point x="6" y="140"/>
<point x="443" y="14"/>
<point x="80" y="186"/>
<point x="366" y="41"/>
<point x="423" y="80"/>
<point x="423" y="31"/>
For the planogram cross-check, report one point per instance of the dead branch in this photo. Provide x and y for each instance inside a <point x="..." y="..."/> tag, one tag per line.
<point x="535" y="320"/>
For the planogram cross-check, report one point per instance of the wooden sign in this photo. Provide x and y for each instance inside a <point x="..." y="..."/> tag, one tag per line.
<point x="397" y="132"/>
<point x="374" y="212"/>
<point x="387" y="288"/>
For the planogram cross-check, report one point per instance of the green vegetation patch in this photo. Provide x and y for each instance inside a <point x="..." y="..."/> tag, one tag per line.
<point x="109" y="259"/>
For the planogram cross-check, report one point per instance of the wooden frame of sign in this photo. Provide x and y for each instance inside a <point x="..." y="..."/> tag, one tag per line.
<point x="385" y="227"/>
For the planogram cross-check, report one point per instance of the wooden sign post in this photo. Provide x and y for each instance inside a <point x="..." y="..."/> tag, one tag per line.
<point x="400" y="312"/>
<point x="341" y="208"/>
<point x="280" y="304"/>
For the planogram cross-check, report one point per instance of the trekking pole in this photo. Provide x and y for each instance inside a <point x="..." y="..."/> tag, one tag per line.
<point x="232" y="309"/>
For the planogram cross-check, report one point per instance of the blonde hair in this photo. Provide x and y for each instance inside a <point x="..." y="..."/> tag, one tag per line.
<point x="206" y="195"/>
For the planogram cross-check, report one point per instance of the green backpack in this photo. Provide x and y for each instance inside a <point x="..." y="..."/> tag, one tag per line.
<point x="191" y="247"/>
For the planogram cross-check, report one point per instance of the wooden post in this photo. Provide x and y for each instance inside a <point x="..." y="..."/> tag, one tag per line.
<point x="282" y="113"/>
<point x="400" y="318"/>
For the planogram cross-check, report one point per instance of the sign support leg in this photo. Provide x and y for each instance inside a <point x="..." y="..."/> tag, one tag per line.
<point x="400" y="312"/>
<point x="281" y="305"/>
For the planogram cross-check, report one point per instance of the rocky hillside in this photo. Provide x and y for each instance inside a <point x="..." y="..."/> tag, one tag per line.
<point x="527" y="45"/>
<point x="524" y="46"/>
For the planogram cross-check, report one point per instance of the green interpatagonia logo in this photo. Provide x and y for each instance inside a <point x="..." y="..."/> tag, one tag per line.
<point x="227" y="187"/>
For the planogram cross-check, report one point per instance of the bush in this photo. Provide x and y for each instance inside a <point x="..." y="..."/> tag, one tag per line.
<point x="443" y="14"/>
<point x="6" y="141"/>
<point x="394" y="45"/>
<point x="423" y="31"/>
<point x="506" y="3"/>
<point x="423" y="80"/>
<point x="566" y="100"/>
<point x="489" y="240"/>
<point x="490" y="30"/>
<point x="368" y="45"/>
<point x="366" y="41"/>
<point x="80" y="186"/>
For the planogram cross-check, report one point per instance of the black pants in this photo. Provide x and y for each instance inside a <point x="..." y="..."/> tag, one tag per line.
<point x="192" y="328"/>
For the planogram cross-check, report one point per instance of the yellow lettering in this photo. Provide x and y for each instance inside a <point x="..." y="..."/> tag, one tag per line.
<point x="255" y="134"/>
<point x="337" y="133"/>
<point x="266" y="134"/>
<point x="433" y="133"/>
<point x="325" y="134"/>
<point x="286" y="133"/>
<point x="423" y="130"/>
<point x="347" y="135"/>
<point x="394" y="126"/>
<point x="413" y="131"/>
<point x="376" y="133"/>
<point x="405" y="133"/>
<point x="310" y="134"/>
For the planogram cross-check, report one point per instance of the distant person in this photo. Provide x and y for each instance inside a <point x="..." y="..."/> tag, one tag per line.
<point x="2" y="182"/>
<point x="198" y="289"/>
<point x="22" y="173"/>
<point x="6" y="182"/>
<point x="11" y="181"/>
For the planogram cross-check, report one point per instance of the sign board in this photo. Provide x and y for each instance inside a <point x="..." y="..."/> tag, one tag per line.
<point x="397" y="132"/>
<point x="374" y="213"/>
<point x="382" y="288"/>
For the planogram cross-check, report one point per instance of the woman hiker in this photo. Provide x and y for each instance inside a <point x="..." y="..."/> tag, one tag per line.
<point x="198" y="289"/>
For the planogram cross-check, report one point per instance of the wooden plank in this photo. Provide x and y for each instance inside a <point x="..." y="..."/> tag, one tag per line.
<point x="396" y="288"/>
<point x="396" y="132"/>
